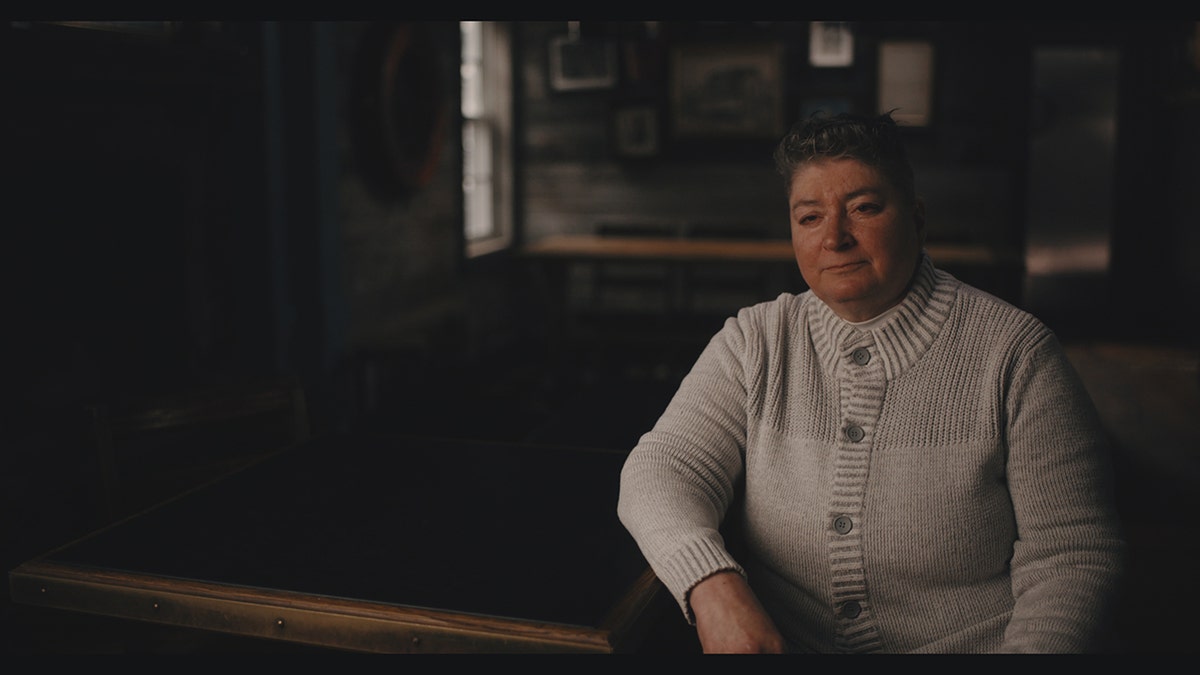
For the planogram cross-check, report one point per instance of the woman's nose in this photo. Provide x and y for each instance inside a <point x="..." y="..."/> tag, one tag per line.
<point x="837" y="234"/>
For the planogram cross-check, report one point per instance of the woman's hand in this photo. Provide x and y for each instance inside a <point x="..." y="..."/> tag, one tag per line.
<point x="729" y="618"/>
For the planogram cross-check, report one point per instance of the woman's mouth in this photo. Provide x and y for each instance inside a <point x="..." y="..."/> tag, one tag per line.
<point x="845" y="267"/>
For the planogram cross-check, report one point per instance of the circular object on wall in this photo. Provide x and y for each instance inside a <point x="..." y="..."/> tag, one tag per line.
<point x="398" y="112"/>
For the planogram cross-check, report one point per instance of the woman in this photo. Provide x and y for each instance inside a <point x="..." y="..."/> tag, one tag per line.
<point x="917" y="466"/>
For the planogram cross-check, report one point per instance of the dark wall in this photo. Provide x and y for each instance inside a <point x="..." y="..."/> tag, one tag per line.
<point x="134" y="238"/>
<point x="194" y="203"/>
<point x="1156" y="236"/>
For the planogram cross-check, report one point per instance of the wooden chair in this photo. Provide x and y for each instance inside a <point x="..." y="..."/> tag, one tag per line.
<point x="154" y="449"/>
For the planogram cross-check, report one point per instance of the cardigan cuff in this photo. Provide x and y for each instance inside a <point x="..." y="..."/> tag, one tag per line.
<point x="694" y="563"/>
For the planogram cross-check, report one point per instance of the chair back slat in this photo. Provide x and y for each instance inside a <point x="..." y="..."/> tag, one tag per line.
<point x="156" y="448"/>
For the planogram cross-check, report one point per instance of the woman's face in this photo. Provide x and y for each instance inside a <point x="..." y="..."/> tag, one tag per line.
<point x="856" y="238"/>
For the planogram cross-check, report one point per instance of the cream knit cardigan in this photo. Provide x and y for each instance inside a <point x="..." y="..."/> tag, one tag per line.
<point x="937" y="483"/>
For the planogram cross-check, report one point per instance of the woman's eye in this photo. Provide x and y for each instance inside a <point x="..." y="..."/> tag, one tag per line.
<point x="868" y="208"/>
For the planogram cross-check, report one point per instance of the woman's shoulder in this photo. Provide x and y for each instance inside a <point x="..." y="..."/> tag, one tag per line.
<point x="766" y="326"/>
<point x="998" y="316"/>
<point x="781" y="304"/>
<point x="784" y="307"/>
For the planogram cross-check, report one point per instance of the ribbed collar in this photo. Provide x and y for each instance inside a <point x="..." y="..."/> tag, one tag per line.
<point x="904" y="336"/>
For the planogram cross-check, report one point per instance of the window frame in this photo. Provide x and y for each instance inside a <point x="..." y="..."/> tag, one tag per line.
<point x="487" y="110"/>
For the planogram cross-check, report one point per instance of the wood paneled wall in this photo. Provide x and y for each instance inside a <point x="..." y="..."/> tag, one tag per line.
<point x="969" y="161"/>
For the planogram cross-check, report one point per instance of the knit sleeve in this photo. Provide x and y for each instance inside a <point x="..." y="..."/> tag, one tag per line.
<point x="1068" y="554"/>
<point x="679" y="480"/>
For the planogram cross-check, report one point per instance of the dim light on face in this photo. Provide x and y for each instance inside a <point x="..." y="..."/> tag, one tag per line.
<point x="856" y="238"/>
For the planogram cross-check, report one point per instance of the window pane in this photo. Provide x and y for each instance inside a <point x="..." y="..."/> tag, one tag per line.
<point x="486" y="74"/>
<point x="477" y="180"/>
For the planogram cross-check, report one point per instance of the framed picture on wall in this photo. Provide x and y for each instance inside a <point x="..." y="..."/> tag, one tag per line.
<point x="635" y="129"/>
<point x="727" y="91"/>
<point x="577" y="63"/>
<point x="830" y="44"/>
<point x="906" y="81"/>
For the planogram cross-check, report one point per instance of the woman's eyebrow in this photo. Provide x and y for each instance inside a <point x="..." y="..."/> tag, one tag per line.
<point x="873" y="191"/>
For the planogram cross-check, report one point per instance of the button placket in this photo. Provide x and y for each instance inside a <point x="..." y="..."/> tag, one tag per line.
<point x="860" y="356"/>
<point x="862" y="384"/>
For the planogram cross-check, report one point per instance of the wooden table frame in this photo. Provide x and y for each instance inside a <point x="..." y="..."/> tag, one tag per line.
<point x="322" y="621"/>
<point x="204" y="561"/>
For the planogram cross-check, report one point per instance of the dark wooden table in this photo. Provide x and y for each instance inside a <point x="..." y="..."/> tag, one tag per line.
<point x="377" y="544"/>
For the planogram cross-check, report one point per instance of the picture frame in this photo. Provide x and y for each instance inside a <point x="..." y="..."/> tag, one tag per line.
<point x="580" y="64"/>
<point x="905" y="85"/>
<point x="727" y="91"/>
<point x="636" y="131"/>
<point x="830" y="44"/>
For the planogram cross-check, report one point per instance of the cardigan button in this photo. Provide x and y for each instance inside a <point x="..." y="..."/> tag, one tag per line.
<point x="855" y="433"/>
<point x="843" y="524"/>
<point x="861" y="356"/>
<point x="851" y="609"/>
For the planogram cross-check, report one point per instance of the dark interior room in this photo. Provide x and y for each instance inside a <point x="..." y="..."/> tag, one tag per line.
<point x="367" y="234"/>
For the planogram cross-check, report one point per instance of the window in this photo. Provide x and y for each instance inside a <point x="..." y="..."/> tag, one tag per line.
<point x="487" y="137"/>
